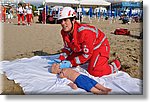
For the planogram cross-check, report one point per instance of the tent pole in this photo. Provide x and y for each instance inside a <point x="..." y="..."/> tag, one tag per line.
<point x="110" y="15"/>
<point x="45" y="12"/>
<point x="79" y="13"/>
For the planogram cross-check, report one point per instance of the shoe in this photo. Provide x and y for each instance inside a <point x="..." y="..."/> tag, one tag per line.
<point x="115" y="65"/>
<point x="18" y="23"/>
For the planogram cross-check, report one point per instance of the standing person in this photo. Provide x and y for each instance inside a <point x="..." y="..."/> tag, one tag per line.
<point x="29" y="15"/>
<point x="4" y="14"/>
<point x="24" y="5"/>
<point x="1" y="13"/>
<point x="43" y="16"/>
<point x="20" y="14"/>
<point x="84" y="43"/>
<point x="10" y="15"/>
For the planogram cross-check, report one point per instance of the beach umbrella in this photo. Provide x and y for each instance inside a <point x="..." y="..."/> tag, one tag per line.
<point x="90" y="12"/>
<point x="115" y="13"/>
<point x="83" y="11"/>
<point x="130" y="12"/>
<point x="99" y="13"/>
<point x="104" y="13"/>
<point x="46" y="9"/>
<point x="110" y="13"/>
<point x="119" y="12"/>
<point x="58" y="12"/>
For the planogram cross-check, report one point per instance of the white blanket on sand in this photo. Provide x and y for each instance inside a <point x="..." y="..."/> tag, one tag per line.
<point x="33" y="76"/>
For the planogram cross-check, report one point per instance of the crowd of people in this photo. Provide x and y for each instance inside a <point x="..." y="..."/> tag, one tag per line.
<point x="23" y="12"/>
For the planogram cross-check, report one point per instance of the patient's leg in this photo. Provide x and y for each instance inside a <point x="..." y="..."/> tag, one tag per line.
<point x="97" y="91"/>
<point x="102" y="88"/>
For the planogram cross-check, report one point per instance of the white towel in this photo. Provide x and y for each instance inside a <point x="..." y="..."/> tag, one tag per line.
<point x="33" y="76"/>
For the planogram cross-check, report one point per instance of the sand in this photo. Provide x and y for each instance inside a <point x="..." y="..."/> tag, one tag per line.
<point x="45" y="39"/>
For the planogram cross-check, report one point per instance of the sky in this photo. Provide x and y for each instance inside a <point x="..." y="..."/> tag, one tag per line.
<point x="40" y="2"/>
<point x="35" y="2"/>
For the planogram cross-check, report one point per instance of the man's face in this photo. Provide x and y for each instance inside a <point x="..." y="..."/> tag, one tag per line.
<point x="66" y="24"/>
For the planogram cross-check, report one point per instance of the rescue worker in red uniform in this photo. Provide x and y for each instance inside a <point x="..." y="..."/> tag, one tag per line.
<point x="20" y="14"/>
<point x="4" y="14"/>
<point x="84" y="43"/>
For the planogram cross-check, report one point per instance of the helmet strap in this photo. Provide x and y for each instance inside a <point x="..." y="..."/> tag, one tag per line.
<point x="71" y="19"/>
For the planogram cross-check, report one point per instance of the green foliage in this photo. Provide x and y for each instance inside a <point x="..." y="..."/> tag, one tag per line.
<point x="33" y="7"/>
<point x="41" y="6"/>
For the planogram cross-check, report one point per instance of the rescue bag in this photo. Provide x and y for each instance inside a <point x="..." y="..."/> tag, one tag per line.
<point x="122" y="31"/>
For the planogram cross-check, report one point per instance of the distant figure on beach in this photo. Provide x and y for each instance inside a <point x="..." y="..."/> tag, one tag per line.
<point x="4" y="13"/>
<point x="20" y="14"/>
<point x="79" y="80"/>
<point x="29" y="14"/>
<point x="10" y="14"/>
<point x="43" y="16"/>
<point x="1" y="13"/>
<point x="85" y="44"/>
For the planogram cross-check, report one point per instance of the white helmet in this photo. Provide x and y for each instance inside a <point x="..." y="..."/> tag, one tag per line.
<point x="66" y="12"/>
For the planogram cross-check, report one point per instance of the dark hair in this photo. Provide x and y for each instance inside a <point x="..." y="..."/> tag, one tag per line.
<point x="72" y="18"/>
<point x="20" y="4"/>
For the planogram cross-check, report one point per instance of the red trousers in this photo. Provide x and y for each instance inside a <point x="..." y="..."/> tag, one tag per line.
<point x="21" y="16"/>
<point x="98" y="63"/>
<point x="0" y="17"/>
<point x="29" y="17"/>
<point x="43" y="18"/>
<point x="4" y="17"/>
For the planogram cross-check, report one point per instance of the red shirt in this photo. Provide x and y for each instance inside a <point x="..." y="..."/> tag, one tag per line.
<point x="80" y="45"/>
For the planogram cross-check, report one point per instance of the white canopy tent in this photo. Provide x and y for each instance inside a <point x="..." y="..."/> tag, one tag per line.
<point x="94" y="2"/>
<point x="61" y="2"/>
<point x="78" y="3"/>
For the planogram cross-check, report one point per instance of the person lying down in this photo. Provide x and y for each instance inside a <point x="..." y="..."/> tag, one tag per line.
<point x="79" y="80"/>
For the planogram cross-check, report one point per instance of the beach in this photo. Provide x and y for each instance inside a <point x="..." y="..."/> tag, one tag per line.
<point x="45" y="39"/>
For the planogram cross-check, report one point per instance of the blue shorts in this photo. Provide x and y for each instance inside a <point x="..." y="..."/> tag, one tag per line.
<point x="85" y="82"/>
